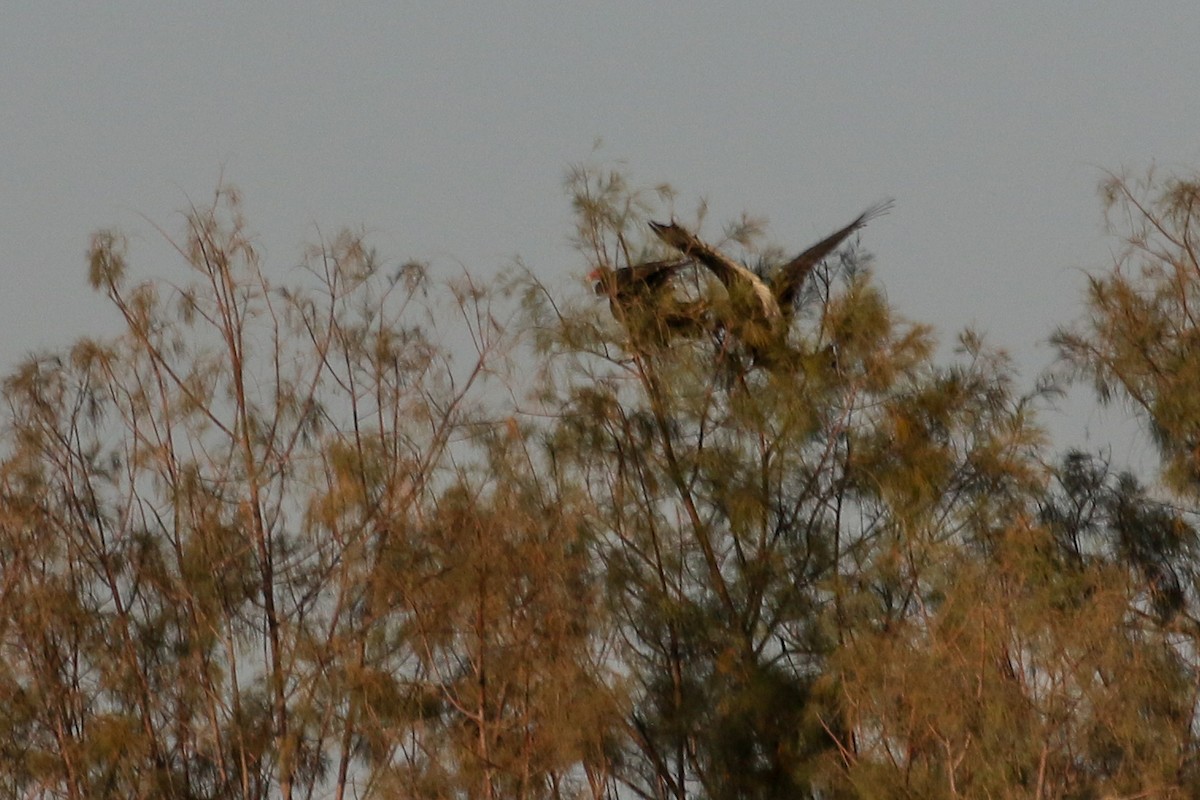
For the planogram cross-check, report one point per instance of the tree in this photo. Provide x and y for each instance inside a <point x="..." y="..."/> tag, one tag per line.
<point x="760" y="529"/>
<point x="1136" y="343"/>
<point x="203" y="518"/>
<point x="1054" y="656"/>
<point x="374" y="535"/>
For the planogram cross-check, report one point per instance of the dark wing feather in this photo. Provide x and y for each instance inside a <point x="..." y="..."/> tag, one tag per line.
<point x="790" y="277"/>
<point x="728" y="271"/>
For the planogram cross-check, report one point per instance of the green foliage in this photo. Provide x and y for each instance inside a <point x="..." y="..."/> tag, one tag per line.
<point x="373" y="535"/>
<point x="1139" y="340"/>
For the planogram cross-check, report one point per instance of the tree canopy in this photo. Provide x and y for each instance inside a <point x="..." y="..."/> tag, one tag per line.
<point x="368" y="533"/>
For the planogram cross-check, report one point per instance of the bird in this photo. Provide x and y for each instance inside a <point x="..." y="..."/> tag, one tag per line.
<point x="639" y="300"/>
<point x="627" y="284"/>
<point x="774" y="303"/>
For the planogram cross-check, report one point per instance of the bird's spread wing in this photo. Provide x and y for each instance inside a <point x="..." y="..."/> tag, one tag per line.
<point x="728" y="271"/>
<point x="790" y="278"/>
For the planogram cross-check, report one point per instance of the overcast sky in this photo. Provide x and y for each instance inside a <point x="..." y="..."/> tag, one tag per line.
<point x="446" y="128"/>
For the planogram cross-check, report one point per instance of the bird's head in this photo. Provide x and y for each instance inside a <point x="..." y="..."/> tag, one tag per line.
<point x="603" y="280"/>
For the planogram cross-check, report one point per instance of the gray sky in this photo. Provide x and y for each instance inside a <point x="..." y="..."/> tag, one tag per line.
<point x="446" y="128"/>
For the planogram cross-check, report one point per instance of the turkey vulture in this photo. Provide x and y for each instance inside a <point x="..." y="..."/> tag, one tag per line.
<point x="774" y="301"/>
<point x="638" y="299"/>
<point x="639" y="281"/>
